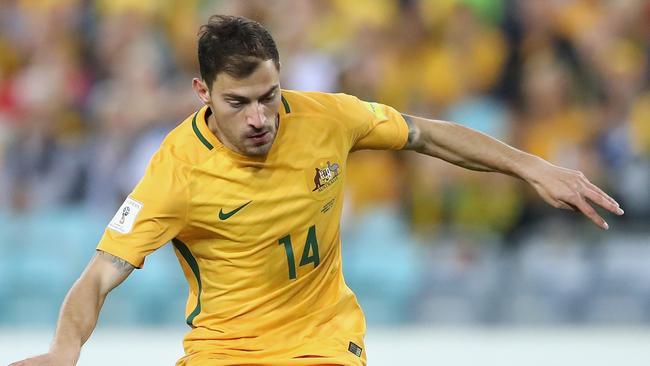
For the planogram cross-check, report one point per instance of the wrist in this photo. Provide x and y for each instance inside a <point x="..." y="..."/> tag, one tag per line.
<point x="66" y="353"/>
<point x="529" y="167"/>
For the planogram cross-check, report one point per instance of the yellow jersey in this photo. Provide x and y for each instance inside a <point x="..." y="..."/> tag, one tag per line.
<point x="258" y="237"/>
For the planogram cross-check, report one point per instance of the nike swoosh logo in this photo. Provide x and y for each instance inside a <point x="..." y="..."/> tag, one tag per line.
<point x="227" y="215"/>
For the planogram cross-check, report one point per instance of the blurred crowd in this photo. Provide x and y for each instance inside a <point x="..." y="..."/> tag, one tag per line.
<point x="88" y="89"/>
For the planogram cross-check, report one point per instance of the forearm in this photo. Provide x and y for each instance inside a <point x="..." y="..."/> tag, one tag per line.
<point x="468" y="148"/>
<point x="80" y="310"/>
<point x="78" y="317"/>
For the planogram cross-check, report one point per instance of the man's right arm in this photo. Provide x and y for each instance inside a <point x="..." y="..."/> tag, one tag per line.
<point x="80" y="309"/>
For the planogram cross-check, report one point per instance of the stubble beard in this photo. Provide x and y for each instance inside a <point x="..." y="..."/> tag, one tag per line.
<point x="262" y="150"/>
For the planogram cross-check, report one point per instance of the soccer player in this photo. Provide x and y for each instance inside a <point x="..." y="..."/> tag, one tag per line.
<point x="249" y="189"/>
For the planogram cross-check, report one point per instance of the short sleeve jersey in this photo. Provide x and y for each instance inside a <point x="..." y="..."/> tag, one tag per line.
<point x="258" y="238"/>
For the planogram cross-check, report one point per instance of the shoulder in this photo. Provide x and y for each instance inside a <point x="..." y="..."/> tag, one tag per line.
<point x="184" y="145"/>
<point x="318" y="102"/>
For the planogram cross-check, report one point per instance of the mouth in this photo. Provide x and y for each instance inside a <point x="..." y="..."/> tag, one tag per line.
<point x="259" y="138"/>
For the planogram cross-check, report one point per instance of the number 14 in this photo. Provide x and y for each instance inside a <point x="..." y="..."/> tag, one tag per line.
<point x="311" y="246"/>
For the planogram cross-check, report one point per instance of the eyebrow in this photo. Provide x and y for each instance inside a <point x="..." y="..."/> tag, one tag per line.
<point x="245" y="99"/>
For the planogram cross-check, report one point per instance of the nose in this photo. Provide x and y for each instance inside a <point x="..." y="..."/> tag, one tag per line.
<point x="255" y="117"/>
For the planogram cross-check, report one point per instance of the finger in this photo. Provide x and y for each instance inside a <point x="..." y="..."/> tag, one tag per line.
<point x="566" y="206"/>
<point x="602" y="201"/>
<point x="553" y="201"/>
<point x="589" y="211"/>
<point x="597" y="189"/>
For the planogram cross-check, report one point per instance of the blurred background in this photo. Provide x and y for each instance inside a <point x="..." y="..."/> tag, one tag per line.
<point x="88" y="89"/>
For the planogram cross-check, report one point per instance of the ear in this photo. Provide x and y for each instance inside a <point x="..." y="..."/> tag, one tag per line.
<point x="201" y="90"/>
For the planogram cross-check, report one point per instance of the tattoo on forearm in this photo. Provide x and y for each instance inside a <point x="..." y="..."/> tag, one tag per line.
<point x="119" y="263"/>
<point x="413" y="130"/>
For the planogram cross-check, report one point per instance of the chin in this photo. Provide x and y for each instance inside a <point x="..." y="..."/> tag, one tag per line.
<point x="258" y="151"/>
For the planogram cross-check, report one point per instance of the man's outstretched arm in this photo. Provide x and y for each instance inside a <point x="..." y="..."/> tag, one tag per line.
<point x="80" y="310"/>
<point x="462" y="146"/>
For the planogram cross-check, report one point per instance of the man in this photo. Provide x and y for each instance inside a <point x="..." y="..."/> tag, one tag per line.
<point x="255" y="229"/>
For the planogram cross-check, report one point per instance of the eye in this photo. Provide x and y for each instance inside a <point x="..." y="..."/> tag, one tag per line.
<point x="268" y="99"/>
<point x="236" y="105"/>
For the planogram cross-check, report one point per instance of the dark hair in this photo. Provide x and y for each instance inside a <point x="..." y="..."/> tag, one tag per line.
<point x="234" y="45"/>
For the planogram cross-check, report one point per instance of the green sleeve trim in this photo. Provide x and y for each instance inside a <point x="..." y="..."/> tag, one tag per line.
<point x="199" y="134"/>
<point x="194" y="266"/>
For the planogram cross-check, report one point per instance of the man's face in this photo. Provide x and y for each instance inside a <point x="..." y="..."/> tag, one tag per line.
<point x="245" y="110"/>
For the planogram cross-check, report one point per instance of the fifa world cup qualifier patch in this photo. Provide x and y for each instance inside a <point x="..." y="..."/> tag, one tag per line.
<point x="352" y="347"/>
<point x="125" y="217"/>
